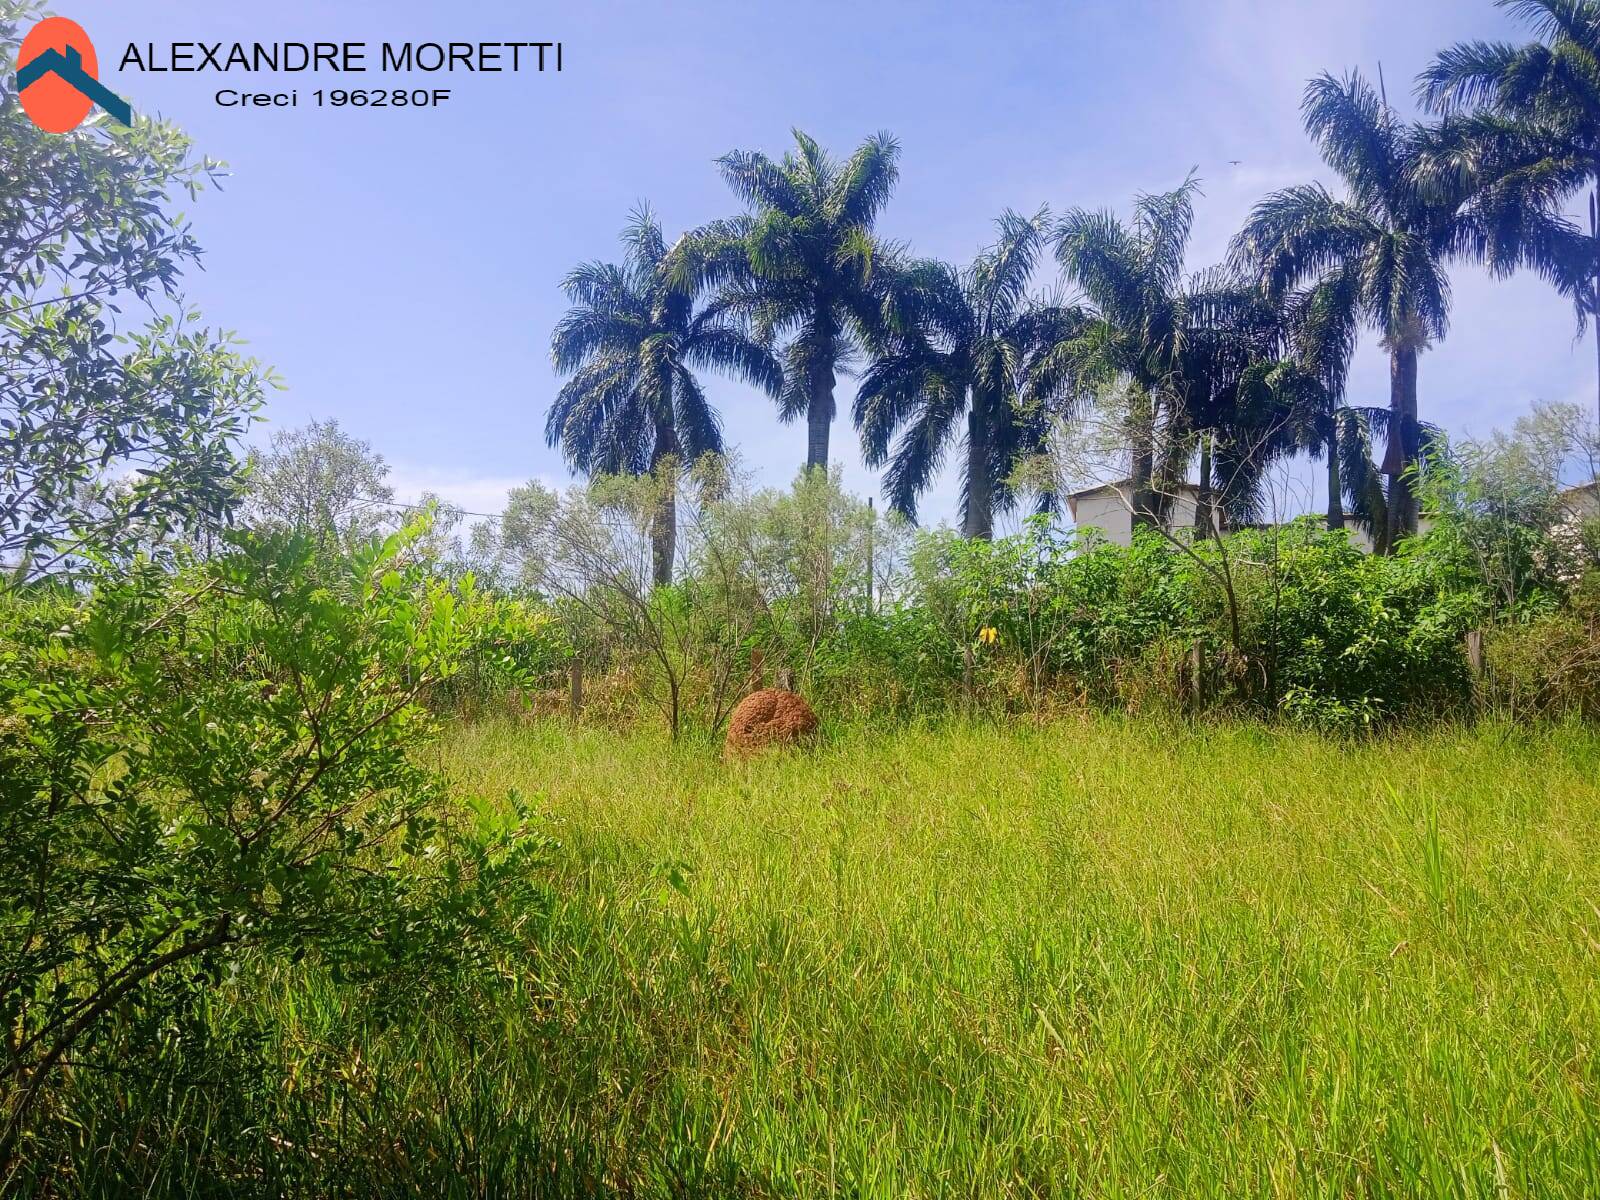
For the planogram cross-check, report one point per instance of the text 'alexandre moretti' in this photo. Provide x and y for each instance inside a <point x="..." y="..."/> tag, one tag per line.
<point x="342" y="56"/>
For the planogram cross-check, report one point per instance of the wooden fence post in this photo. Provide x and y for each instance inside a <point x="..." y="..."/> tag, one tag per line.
<point x="1197" y="675"/>
<point x="966" y="679"/>
<point x="1475" y="651"/>
<point x="757" y="669"/>
<point x="872" y="520"/>
<point x="575" y="699"/>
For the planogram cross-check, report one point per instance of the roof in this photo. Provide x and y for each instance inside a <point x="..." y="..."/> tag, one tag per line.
<point x="1582" y="501"/>
<point x="1126" y="485"/>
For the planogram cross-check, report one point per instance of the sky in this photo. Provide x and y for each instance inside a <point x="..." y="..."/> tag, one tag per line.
<point x="400" y="268"/>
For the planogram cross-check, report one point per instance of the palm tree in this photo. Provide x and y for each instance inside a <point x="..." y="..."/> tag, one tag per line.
<point x="1236" y="400"/>
<point x="961" y="342"/>
<point x="631" y="343"/>
<point x="1165" y="335"/>
<point x="1321" y="327"/>
<point x="1521" y="136"/>
<point x="1382" y="250"/>
<point x="808" y="264"/>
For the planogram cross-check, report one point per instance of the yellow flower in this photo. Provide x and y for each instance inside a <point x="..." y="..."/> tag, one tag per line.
<point x="988" y="635"/>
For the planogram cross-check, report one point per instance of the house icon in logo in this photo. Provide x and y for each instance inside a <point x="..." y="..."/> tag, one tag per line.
<point x="57" y="77"/>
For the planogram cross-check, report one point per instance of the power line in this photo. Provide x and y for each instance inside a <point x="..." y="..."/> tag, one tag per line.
<point x="441" y="502"/>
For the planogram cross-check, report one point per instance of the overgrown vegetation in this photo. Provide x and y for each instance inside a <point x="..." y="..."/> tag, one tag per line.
<point x="1122" y="958"/>
<point x="1232" y="858"/>
<point x="1290" y="621"/>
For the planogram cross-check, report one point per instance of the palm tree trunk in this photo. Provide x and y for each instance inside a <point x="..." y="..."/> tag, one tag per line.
<point x="979" y="519"/>
<point x="664" y="526"/>
<point x="1594" y="309"/>
<point x="1204" y="526"/>
<point x="819" y="412"/>
<point x="1335" y="484"/>
<point x="1401" y="453"/>
<point x="1144" y="459"/>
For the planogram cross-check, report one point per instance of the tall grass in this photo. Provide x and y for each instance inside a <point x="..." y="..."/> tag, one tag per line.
<point x="1099" y="958"/>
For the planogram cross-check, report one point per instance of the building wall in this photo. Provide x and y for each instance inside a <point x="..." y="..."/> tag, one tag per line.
<point x="1107" y="514"/>
<point x="1105" y="511"/>
<point x="1181" y="512"/>
<point x="1358" y="537"/>
<point x="1582" y="502"/>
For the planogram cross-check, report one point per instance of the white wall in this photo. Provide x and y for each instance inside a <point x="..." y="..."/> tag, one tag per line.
<point x="1582" y="502"/>
<point x="1107" y="512"/>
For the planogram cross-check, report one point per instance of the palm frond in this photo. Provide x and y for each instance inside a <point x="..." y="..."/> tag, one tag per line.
<point x="1296" y="234"/>
<point x="1324" y="327"/>
<point x="925" y="299"/>
<point x="714" y="256"/>
<point x="1162" y="223"/>
<point x="1467" y="75"/>
<point x="1358" y="473"/>
<point x="920" y="453"/>
<point x="602" y="285"/>
<point x="760" y="182"/>
<point x="643" y="241"/>
<point x="998" y="278"/>
<point x="584" y="331"/>
<point x="595" y="416"/>
<point x="888" y="396"/>
<point x="698" y="428"/>
<point x="866" y="182"/>
<point x="1576" y="21"/>
<point x="725" y="348"/>
<point x="1101" y="258"/>
<point x="1357" y="134"/>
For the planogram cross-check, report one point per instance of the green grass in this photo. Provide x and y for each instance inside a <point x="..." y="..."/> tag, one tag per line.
<point x="1100" y="958"/>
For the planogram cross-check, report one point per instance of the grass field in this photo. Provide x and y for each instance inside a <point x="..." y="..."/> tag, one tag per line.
<point x="1103" y="958"/>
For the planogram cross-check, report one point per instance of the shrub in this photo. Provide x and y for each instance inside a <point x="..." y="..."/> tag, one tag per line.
<point x="219" y="763"/>
<point x="1342" y="638"/>
<point x="893" y="663"/>
<point x="1548" y="665"/>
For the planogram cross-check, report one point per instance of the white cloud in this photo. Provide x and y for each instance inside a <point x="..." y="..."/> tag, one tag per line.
<point x="477" y="494"/>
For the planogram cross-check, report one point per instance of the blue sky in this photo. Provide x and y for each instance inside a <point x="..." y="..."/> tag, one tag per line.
<point x="400" y="268"/>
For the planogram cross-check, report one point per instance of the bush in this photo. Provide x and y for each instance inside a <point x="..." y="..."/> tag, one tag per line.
<point x="1342" y="638"/>
<point x="1548" y="665"/>
<point x="1066" y="611"/>
<point x="1290" y="621"/>
<point x="518" y="647"/>
<point x="220" y="763"/>
<point x="896" y="663"/>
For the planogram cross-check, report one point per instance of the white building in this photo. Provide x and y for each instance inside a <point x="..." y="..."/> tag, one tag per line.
<point x="1109" y="508"/>
<point x="1582" y="501"/>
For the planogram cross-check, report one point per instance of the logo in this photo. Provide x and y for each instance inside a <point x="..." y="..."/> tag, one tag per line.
<point x="56" y="77"/>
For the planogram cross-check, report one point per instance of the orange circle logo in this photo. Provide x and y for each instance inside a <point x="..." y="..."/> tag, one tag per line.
<point x="53" y="96"/>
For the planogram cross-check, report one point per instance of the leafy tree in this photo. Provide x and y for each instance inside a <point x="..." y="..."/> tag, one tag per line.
<point x="1381" y="253"/>
<point x="320" y="481"/>
<point x="219" y="762"/>
<point x="796" y="562"/>
<point x="804" y="264"/>
<point x="1498" y="512"/>
<point x="1521" y="137"/>
<point x="962" y="342"/>
<point x="593" y="549"/>
<point x="112" y="436"/>
<point x="631" y="343"/>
